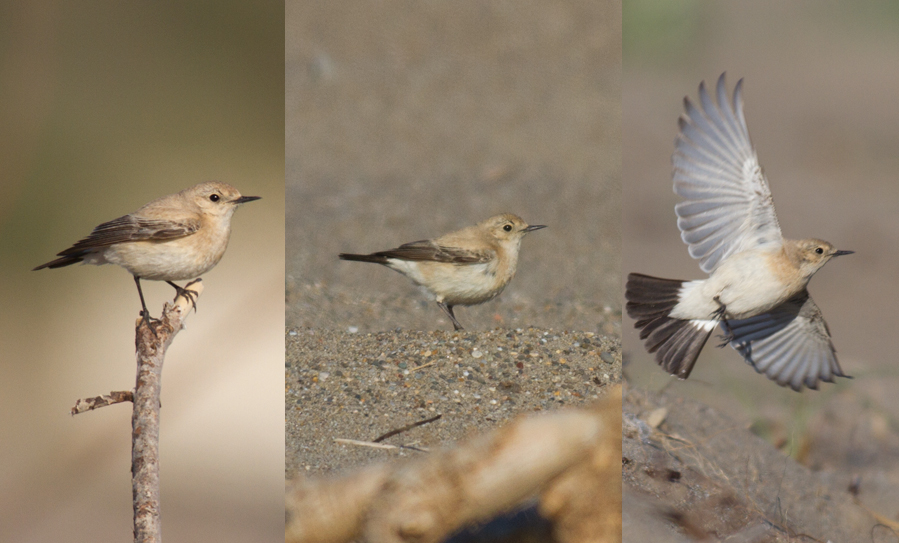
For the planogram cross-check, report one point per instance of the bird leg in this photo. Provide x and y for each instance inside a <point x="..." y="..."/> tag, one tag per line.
<point x="719" y="314"/>
<point x="187" y="294"/>
<point x="448" y="309"/>
<point x="145" y="314"/>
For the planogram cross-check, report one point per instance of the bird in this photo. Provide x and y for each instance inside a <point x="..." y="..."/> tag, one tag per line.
<point x="177" y="237"/>
<point x="756" y="291"/>
<point x="466" y="267"/>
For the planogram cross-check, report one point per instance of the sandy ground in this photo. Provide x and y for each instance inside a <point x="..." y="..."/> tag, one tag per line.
<point x="820" y="110"/>
<point x="406" y="121"/>
<point x="690" y="468"/>
<point x="360" y="386"/>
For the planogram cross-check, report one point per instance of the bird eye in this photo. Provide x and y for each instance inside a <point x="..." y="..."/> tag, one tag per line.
<point x="819" y="250"/>
<point x="215" y="197"/>
<point x="507" y="228"/>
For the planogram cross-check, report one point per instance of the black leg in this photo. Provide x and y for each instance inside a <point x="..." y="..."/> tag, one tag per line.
<point x="189" y="294"/>
<point x="448" y="309"/>
<point x="145" y="314"/>
<point x="719" y="314"/>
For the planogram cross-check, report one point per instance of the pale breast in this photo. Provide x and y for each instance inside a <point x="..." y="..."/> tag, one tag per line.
<point x="172" y="260"/>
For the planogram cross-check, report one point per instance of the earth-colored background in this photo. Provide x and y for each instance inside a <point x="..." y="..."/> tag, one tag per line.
<point x="820" y="94"/>
<point x="406" y="120"/>
<point x="106" y="106"/>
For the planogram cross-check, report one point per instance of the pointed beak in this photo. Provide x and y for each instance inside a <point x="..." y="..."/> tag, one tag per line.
<point x="841" y="253"/>
<point x="245" y="199"/>
<point x="533" y="227"/>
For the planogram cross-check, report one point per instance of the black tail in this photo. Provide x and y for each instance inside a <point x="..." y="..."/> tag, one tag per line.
<point x="376" y="258"/>
<point x="66" y="260"/>
<point x="676" y="342"/>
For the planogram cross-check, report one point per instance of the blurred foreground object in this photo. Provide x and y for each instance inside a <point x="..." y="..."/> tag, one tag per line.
<point x="569" y="460"/>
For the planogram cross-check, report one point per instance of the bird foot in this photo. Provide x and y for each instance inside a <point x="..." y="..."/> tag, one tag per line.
<point x="151" y="322"/>
<point x="185" y="292"/>
<point x="719" y="314"/>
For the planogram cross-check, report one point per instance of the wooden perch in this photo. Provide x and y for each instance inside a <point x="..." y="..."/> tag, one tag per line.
<point x="151" y="348"/>
<point x="570" y="458"/>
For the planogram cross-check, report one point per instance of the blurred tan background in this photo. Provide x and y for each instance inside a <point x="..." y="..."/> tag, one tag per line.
<point x="407" y="120"/>
<point x="106" y="106"/>
<point x="820" y="93"/>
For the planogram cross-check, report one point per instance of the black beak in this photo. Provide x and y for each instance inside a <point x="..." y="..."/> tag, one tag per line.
<point x="841" y="253"/>
<point x="245" y="199"/>
<point x="533" y="227"/>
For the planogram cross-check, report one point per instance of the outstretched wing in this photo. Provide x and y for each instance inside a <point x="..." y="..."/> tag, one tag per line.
<point x="790" y="344"/>
<point x="727" y="205"/>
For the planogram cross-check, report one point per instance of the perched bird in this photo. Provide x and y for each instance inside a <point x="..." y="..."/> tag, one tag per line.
<point x="177" y="237"/>
<point x="466" y="267"/>
<point x="756" y="290"/>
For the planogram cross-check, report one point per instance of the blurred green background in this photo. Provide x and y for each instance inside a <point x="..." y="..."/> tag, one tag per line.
<point x="820" y="95"/>
<point x="105" y="106"/>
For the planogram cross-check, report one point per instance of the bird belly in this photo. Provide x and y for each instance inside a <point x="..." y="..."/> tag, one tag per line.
<point x="748" y="284"/>
<point x="171" y="260"/>
<point x="455" y="284"/>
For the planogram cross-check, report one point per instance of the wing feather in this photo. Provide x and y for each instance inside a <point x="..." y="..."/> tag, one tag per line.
<point x="717" y="172"/>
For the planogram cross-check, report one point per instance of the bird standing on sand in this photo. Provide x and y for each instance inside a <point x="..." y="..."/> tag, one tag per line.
<point x="466" y="267"/>
<point x="177" y="237"/>
<point x="756" y="290"/>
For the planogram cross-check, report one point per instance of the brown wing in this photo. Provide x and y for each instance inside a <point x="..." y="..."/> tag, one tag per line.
<point x="127" y="228"/>
<point x="427" y="250"/>
<point x="130" y="228"/>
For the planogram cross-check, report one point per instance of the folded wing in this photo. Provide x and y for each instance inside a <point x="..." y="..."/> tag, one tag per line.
<point x="427" y="250"/>
<point x="130" y="228"/>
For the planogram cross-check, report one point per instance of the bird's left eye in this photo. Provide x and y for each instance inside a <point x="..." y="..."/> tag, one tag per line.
<point x="819" y="250"/>
<point x="215" y="197"/>
<point x="507" y="228"/>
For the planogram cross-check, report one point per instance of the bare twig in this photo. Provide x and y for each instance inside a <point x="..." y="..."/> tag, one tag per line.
<point x="151" y="347"/>
<point x="416" y="368"/>
<point x="373" y="445"/>
<point x="89" y="404"/>
<point x="405" y="428"/>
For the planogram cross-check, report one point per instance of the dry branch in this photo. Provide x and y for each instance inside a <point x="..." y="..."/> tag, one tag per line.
<point x="89" y="404"/>
<point x="151" y="348"/>
<point x="571" y="458"/>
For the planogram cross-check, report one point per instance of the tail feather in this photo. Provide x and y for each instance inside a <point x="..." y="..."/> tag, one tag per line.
<point x="649" y="297"/>
<point x="66" y="260"/>
<point x="376" y="258"/>
<point x="676" y="342"/>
